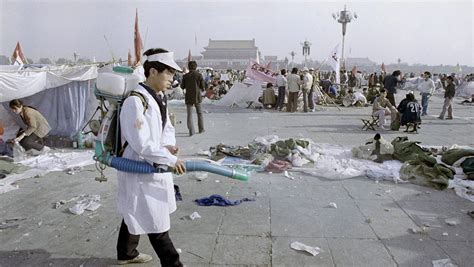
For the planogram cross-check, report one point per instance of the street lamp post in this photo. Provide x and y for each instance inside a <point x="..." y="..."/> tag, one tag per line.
<point x="344" y="17"/>
<point x="306" y="50"/>
<point x="292" y="54"/>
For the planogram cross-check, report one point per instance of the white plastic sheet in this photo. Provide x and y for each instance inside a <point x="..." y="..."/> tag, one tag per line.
<point x="31" y="81"/>
<point x="240" y="94"/>
<point x="46" y="163"/>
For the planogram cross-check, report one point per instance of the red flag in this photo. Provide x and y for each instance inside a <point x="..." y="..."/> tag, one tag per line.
<point x="189" y="56"/>
<point x="138" y="42"/>
<point x="18" y="55"/>
<point x="129" y="59"/>
<point x="383" y="67"/>
<point x="354" y="71"/>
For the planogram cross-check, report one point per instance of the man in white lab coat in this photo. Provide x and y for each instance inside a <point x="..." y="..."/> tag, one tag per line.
<point x="146" y="200"/>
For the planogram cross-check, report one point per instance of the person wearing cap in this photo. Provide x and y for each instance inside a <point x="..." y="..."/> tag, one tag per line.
<point x="194" y="84"/>
<point x="307" y="89"/>
<point x="449" y="93"/>
<point x="145" y="201"/>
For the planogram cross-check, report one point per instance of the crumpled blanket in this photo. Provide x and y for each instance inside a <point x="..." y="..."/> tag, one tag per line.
<point x="452" y="155"/>
<point x="218" y="200"/>
<point x="423" y="172"/>
<point x="220" y="151"/>
<point x="405" y="150"/>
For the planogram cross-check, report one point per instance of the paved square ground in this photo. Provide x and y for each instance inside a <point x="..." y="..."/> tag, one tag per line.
<point x="370" y="227"/>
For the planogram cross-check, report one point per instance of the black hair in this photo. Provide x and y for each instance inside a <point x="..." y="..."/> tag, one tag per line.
<point x="410" y="97"/>
<point x="269" y="85"/>
<point x="450" y="78"/>
<point x="283" y="72"/>
<point x="396" y="73"/>
<point x="160" y="67"/>
<point x="382" y="91"/>
<point x="15" y="103"/>
<point x="192" y="65"/>
<point x="428" y="73"/>
<point x="294" y="70"/>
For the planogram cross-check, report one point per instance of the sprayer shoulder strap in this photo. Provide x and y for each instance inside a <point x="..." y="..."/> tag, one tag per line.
<point x="145" y="107"/>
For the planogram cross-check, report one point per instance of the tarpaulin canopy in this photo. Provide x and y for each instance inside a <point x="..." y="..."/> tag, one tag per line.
<point x="19" y="84"/>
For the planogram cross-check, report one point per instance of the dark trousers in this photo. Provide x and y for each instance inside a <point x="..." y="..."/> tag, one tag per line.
<point x="162" y="244"/>
<point x="391" y="98"/>
<point x="32" y="141"/>
<point x="281" y="97"/>
<point x="189" y="111"/>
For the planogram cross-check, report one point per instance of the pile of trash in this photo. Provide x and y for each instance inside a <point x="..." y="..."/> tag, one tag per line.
<point x="400" y="161"/>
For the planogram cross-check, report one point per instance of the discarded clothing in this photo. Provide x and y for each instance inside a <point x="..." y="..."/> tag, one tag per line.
<point x="278" y="166"/>
<point x="468" y="166"/>
<point x="376" y="149"/>
<point x="451" y="156"/>
<point x="218" y="200"/>
<point x="6" y="149"/>
<point x="283" y="148"/>
<point x="405" y="150"/>
<point x="220" y="151"/>
<point x="426" y="174"/>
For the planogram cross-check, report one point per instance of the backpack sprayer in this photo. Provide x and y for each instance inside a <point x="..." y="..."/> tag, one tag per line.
<point x="111" y="90"/>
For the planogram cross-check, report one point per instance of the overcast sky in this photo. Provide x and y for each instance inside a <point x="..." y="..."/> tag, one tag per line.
<point x="431" y="32"/>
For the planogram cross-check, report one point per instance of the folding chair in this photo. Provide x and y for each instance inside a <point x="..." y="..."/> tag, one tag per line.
<point x="370" y="123"/>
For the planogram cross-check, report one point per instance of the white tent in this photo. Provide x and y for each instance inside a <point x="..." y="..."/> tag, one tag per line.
<point x="240" y="94"/>
<point x="63" y="94"/>
<point x="465" y="89"/>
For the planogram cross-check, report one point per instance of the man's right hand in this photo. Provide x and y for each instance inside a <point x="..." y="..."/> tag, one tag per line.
<point x="179" y="167"/>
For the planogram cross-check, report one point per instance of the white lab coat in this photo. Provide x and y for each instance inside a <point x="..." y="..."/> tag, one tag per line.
<point x="146" y="200"/>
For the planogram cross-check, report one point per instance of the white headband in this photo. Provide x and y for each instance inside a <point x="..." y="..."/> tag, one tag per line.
<point x="165" y="58"/>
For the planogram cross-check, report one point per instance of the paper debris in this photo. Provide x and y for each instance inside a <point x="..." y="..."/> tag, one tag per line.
<point x="179" y="250"/>
<point x="74" y="170"/>
<point x="288" y="175"/>
<point x="194" y="216"/>
<point x="86" y="202"/>
<point x="302" y="247"/>
<point x="452" y="221"/>
<point x="332" y="205"/>
<point x="445" y="234"/>
<point x="200" y="176"/>
<point x="443" y="263"/>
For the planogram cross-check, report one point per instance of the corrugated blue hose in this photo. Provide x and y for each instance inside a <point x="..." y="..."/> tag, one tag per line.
<point x="134" y="166"/>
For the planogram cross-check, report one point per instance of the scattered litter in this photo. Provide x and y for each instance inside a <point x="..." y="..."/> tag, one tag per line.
<point x="452" y="221"/>
<point x="368" y="220"/>
<point x="288" y="175"/>
<point x="200" y="176"/>
<point x="194" y="216"/>
<point x="179" y="250"/>
<point x="27" y="234"/>
<point x="40" y="223"/>
<point x="257" y="194"/>
<point x="218" y="200"/>
<point x="443" y="263"/>
<point x="422" y="231"/>
<point x="445" y="234"/>
<point x="204" y="153"/>
<point x="387" y="210"/>
<point x="302" y="247"/>
<point x="378" y="194"/>
<point x="388" y="191"/>
<point x="218" y="181"/>
<point x="332" y="205"/>
<point x="11" y="223"/>
<point x="86" y="202"/>
<point x="74" y="170"/>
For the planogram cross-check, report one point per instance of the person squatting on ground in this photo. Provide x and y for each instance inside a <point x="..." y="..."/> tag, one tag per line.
<point x="37" y="127"/>
<point x="410" y="111"/>
<point x="449" y="93"/>
<point x="282" y="85"/>
<point x="294" y="83"/>
<point x="269" y="98"/>
<point x="145" y="201"/>
<point x="380" y="111"/>
<point x="193" y="82"/>
<point x="426" y="88"/>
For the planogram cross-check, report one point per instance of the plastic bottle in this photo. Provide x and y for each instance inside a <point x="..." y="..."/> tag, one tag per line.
<point x="80" y="140"/>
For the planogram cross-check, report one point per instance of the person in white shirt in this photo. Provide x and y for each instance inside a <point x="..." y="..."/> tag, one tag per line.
<point x="426" y="88"/>
<point x="145" y="201"/>
<point x="294" y="83"/>
<point x="307" y="89"/>
<point x="282" y="85"/>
